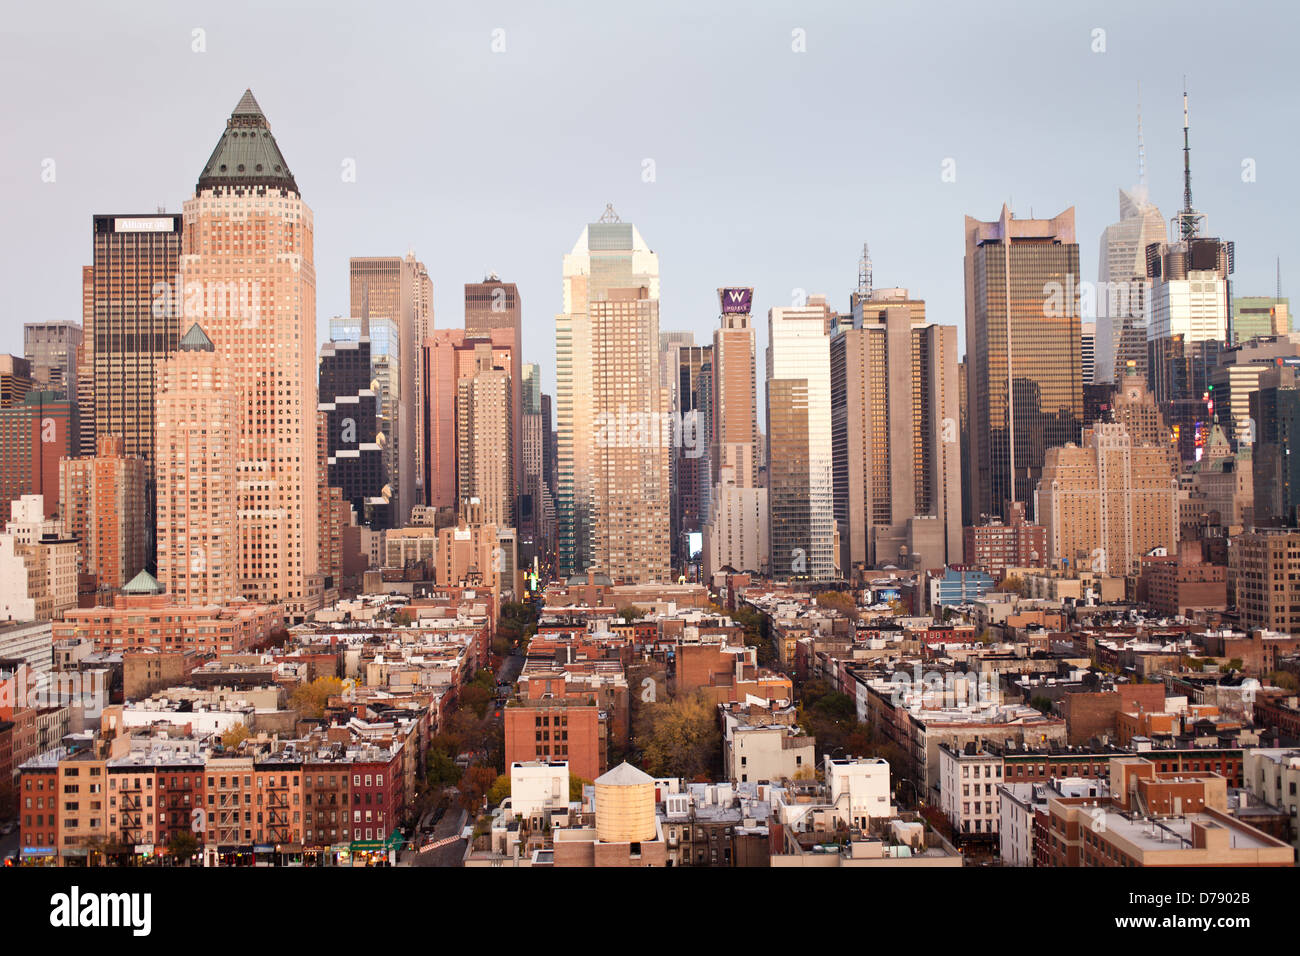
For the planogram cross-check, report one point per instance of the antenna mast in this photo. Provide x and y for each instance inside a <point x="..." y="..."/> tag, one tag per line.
<point x="864" y="274"/>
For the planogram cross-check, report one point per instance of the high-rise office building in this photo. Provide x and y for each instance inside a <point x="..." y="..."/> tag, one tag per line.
<point x="450" y="355"/>
<point x="398" y="288"/>
<point x="102" y="505"/>
<point x="1108" y="502"/>
<point x="133" y="323"/>
<point x="894" y="412"/>
<point x="1275" y="408"/>
<point x="492" y="306"/>
<point x="201" y="545"/>
<point x="34" y="435"/>
<point x="1088" y="352"/>
<point x="1024" y="381"/>
<point x="735" y="400"/>
<point x="1254" y="316"/>
<point x="801" y="494"/>
<point x="536" y="504"/>
<point x="1121" y="296"/>
<point x="15" y="380"/>
<point x="612" y="496"/>
<point x="354" y="440"/>
<point x="689" y="369"/>
<point x="484" y="438"/>
<point x="1189" y="315"/>
<point x="248" y="228"/>
<point x="52" y="348"/>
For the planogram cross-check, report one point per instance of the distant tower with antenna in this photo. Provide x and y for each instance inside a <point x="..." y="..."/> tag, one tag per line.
<point x="864" y="274"/>
<point x="1188" y="223"/>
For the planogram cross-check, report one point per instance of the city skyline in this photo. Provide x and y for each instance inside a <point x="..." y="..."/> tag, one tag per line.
<point x="899" y="203"/>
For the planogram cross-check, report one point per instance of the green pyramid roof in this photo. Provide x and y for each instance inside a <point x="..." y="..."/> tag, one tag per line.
<point x="247" y="154"/>
<point x="196" y="340"/>
<point x="143" y="583"/>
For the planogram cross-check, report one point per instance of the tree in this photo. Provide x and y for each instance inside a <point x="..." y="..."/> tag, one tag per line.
<point x="840" y="601"/>
<point x="517" y="622"/>
<point x="1286" y="680"/>
<point x="474" y="786"/>
<point x="631" y="613"/>
<point x="182" y="846"/>
<point x="1236" y="664"/>
<point x="403" y="617"/>
<point x="1013" y="583"/>
<point x="499" y="790"/>
<point x="235" y="736"/>
<point x="576" y="784"/>
<point x="684" y="739"/>
<point x="1041" y="703"/>
<point x="441" y="769"/>
<point x="309" y="700"/>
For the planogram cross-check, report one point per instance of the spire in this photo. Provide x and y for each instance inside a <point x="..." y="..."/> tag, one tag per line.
<point x="609" y="215"/>
<point x="196" y="340"/>
<point x="1142" y="149"/>
<point x="1188" y="221"/>
<point x="247" y="154"/>
<point x="1187" y="155"/>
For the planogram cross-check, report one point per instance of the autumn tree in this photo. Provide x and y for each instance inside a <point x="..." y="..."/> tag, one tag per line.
<point x="499" y="790"/>
<point x="235" y="736"/>
<point x="474" y="786"/>
<point x="309" y="699"/>
<point x="840" y="601"/>
<point x="684" y="738"/>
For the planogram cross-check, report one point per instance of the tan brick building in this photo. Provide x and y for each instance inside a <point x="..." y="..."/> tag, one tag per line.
<point x="1108" y="502"/>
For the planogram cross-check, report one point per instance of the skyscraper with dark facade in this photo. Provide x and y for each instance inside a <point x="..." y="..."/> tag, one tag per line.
<point x="355" y="453"/>
<point x="1024" y="380"/>
<point x="134" y="324"/>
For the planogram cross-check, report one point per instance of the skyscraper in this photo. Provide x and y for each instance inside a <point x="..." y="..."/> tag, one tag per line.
<point x="492" y="306"/>
<point x="450" y="355"/>
<point x="15" y="380"/>
<point x="613" y="459"/>
<point x="689" y="370"/>
<point x="399" y="288"/>
<point x="1121" y="297"/>
<point x="484" y="438"/>
<point x="52" y="348"/>
<point x="735" y="402"/>
<point x="894" y="413"/>
<point x="1254" y="316"/>
<point x="353" y="439"/>
<point x="1107" y="502"/>
<point x="1024" y="381"/>
<point x="200" y="541"/>
<point x="247" y="229"/>
<point x="133" y="324"/>
<point x="34" y="435"/>
<point x="801" y="499"/>
<point x="102" y="504"/>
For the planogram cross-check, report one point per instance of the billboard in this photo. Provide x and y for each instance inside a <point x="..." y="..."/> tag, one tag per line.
<point x="736" y="301"/>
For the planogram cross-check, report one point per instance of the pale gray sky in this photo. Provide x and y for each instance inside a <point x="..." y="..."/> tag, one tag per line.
<point x="771" y="167"/>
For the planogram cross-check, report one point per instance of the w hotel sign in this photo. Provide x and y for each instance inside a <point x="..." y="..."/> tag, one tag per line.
<point x="736" y="301"/>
